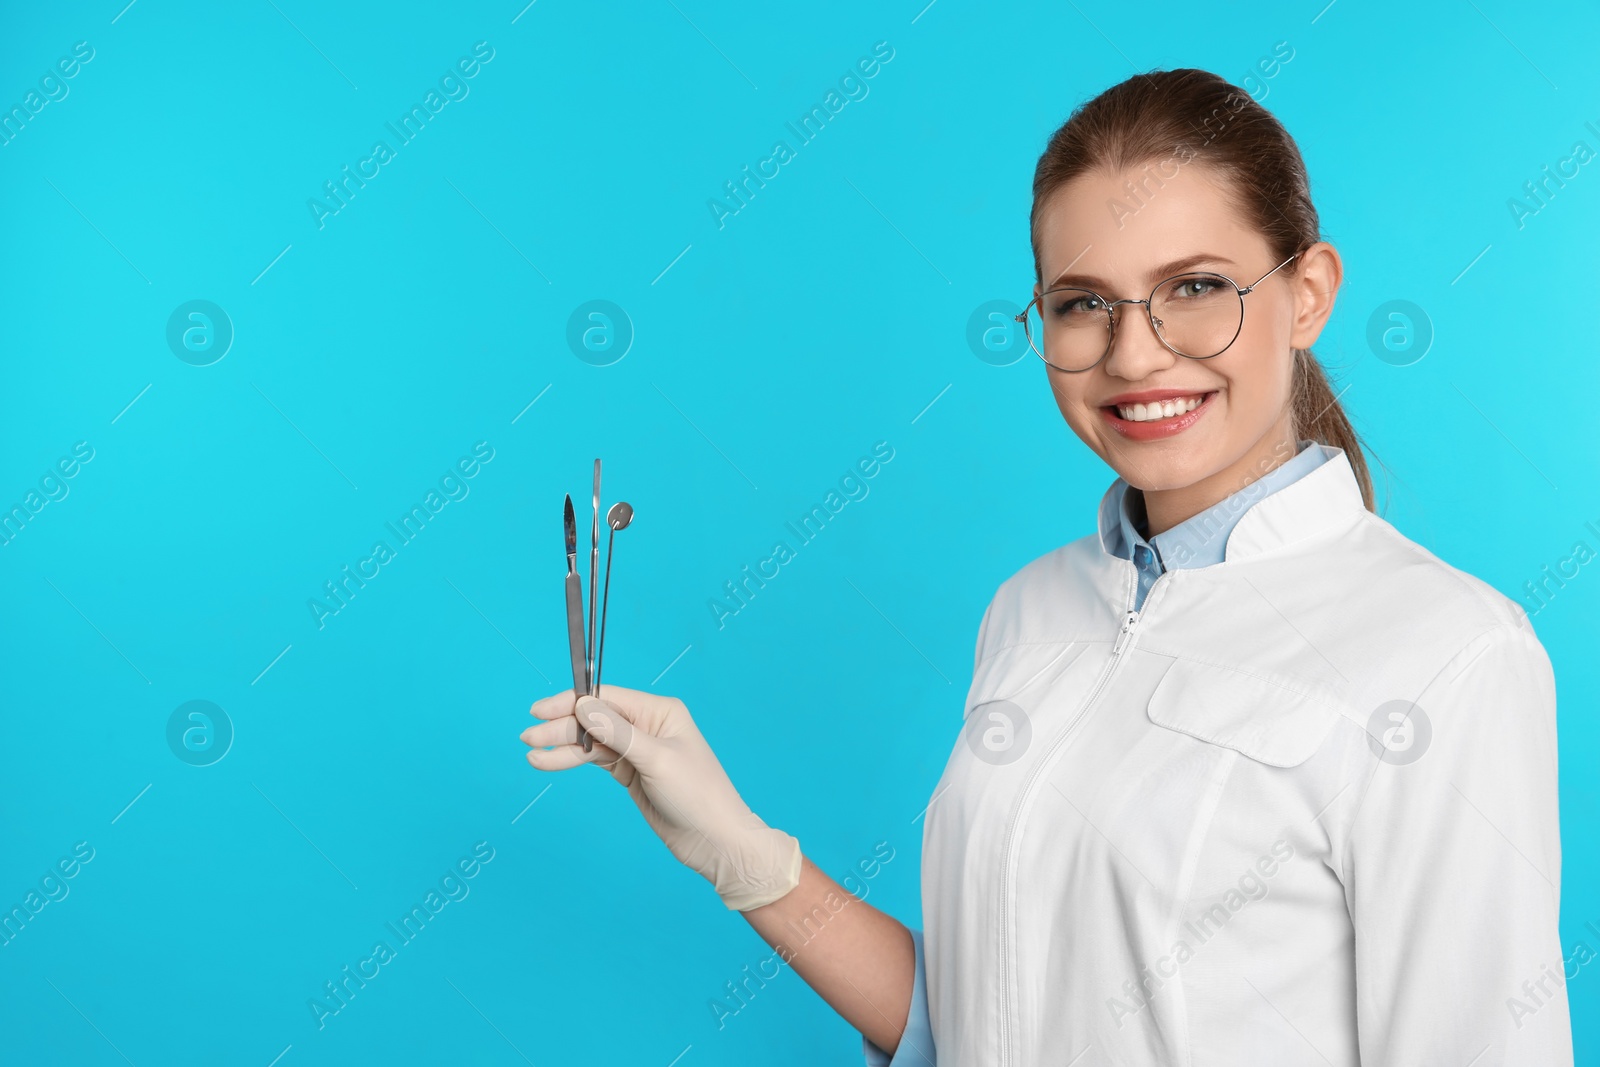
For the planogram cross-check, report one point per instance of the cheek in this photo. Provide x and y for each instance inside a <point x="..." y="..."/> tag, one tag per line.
<point x="1260" y="364"/>
<point x="1069" y="393"/>
<point x="1264" y="337"/>
<point x="1257" y="386"/>
<point x="1082" y="419"/>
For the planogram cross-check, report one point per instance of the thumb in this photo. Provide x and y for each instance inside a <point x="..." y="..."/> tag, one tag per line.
<point x="612" y="729"/>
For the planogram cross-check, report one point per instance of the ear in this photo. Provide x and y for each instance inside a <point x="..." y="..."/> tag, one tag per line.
<point x="1315" y="286"/>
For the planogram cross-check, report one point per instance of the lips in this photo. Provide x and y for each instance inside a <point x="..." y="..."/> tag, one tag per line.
<point x="1152" y="410"/>
<point x="1142" y="427"/>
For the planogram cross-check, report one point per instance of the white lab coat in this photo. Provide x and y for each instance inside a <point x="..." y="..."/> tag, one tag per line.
<point x="1196" y="835"/>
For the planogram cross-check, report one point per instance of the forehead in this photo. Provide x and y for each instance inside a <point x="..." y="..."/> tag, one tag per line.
<point x="1117" y="225"/>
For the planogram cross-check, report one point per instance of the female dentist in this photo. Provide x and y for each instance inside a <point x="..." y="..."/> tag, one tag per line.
<point x="1247" y="776"/>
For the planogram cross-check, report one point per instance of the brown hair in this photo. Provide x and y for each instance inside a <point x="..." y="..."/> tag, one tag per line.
<point x="1194" y="115"/>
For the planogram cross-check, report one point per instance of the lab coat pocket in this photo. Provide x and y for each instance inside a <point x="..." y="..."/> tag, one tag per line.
<point x="1276" y="723"/>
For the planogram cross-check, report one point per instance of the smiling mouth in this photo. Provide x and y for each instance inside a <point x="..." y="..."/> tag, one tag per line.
<point x="1155" y="411"/>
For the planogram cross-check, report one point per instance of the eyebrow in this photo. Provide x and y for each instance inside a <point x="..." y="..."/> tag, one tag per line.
<point x="1164" y="270"/>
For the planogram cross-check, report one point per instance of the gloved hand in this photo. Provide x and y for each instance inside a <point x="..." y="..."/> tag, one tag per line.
<point x="652" y="747"/>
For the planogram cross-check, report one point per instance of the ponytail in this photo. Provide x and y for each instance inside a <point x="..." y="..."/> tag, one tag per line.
<point x="1317" y="415"/>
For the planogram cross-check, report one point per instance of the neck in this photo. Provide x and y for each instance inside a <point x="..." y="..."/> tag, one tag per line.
<point x="1166" y="508"/>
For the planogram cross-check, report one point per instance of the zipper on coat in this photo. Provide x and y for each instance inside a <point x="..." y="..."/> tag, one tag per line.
<point x="1130" y="622"/>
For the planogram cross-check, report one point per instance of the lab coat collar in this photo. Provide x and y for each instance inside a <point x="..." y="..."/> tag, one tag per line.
<point x="1318" y="502"/>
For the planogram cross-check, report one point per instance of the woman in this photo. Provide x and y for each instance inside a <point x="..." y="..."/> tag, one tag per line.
<point x="1247" y="776"/>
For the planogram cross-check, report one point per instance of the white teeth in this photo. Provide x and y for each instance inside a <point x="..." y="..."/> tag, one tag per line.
<point x="1164" y="409"/>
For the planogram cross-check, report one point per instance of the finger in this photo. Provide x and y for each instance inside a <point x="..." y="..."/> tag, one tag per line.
<point x="568" y="753"/>
<point x="553" y="706"/>
<point x="608" y="760"/>
<point x="637" y="706"/>
<point x="562" y="731"/>
<point x="611" y="729"/>
<point x="560" y="758"/>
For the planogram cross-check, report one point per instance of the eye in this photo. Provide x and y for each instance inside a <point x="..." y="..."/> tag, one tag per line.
<point x="1195" y="287"/>
<point x="1075" y="303"/>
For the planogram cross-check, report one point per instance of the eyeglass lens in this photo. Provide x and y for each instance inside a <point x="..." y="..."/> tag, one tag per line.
<point x="1196" y="315"/>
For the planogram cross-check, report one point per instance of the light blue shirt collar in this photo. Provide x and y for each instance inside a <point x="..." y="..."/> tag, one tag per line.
<point x="1201" y="540"/>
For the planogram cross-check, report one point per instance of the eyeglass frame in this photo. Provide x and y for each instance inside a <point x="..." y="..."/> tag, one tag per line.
<point x="1111" y="317"/>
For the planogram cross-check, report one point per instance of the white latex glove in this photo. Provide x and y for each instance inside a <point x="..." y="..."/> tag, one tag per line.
<point x="652" y="747"/>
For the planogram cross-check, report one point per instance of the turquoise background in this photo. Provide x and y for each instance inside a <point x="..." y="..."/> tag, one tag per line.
<point x="767" y="356"/>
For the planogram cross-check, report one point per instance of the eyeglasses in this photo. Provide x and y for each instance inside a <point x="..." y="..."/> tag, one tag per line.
<point x="1197" y="315"/>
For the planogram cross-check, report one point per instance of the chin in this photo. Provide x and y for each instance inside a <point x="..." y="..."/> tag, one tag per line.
<point x="1170" y="468"/>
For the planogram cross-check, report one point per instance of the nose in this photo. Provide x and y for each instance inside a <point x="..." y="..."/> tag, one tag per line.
<point x="1136" y="348"/>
